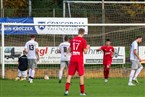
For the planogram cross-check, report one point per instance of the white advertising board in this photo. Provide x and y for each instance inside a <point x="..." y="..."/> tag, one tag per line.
<point x="49" y="55"/>
<point x="60" y="29"/>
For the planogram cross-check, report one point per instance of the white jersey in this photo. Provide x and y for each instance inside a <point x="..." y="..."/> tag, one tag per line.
<point x="134" y="46"/>
<point x="31" y="46"/>
<point x="63" y="47"/>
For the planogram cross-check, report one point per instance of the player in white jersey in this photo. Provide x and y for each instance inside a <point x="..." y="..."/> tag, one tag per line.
<point x="31" y="47"/>
<point x="65" y="56"/>
<point x="135" y="60"/>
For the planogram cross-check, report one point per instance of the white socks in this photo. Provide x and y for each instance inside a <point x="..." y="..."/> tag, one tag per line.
<point x="31" y="73"/>
<point x="134" y="74"/>
<point x="60" y="74"/>
<point x="131" y="76"/>
<point x="137" y="72"/>
<point x="19" y="73"/>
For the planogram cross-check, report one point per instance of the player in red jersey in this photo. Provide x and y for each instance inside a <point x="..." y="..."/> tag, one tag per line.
<point x="107" y="59"/>
<point x="78" y="46"/>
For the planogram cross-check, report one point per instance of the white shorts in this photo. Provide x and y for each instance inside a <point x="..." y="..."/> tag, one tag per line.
<point x="22" y="73"/>
<point x="64" y="64"/>
<point x="136" y="64"/>
<point x="32" y="63"/>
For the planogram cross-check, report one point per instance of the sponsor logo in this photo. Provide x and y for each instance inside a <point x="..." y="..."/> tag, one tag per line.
<point x="117" y="52"/>
<point x="41" y="27"/>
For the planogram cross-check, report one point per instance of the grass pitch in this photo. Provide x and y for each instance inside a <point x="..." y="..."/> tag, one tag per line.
<point x="116" y="87"/>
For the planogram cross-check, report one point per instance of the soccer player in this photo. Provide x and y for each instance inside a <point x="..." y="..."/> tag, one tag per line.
<point x="107" y="59"/>
<point x="135" y="60"/>
<point x="22" y="68"/>
<point x="31" y="47"/>
<point x="65" y="56"/>
<point x="78" y="46"/>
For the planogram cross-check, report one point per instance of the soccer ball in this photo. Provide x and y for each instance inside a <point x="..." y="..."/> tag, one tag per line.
<point x="46" y="77"/>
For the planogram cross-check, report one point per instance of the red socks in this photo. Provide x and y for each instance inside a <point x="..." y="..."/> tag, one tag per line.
<point x="82" y="89"/>
<point x="106" y="72"/>
<point x="67" y="85"/>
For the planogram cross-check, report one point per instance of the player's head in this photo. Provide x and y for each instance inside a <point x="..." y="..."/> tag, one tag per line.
<point x="108" y="42"/>
<point x="81" y="32"/>
<point x="33" y="37"/>
<point x="139" y="39"/>
<point x="66" y="38"/>
<point x="24" y="52"/>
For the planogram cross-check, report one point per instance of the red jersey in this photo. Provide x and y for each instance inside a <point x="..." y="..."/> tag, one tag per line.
<point x="77" y="45"/>
<point x="108" y="53"/>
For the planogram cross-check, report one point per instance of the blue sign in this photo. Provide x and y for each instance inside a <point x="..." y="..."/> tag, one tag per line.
<point x="18" y="29"/>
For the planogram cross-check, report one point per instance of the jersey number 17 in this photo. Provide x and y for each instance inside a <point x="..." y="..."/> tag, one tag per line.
<point x="75" y="46"/>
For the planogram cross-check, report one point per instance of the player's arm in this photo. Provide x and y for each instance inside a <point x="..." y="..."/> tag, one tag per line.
<point x="69" y="50"/>
<point x="135" y="53"/>
<point x="25" y="48"/>
<point x="100" y="49"/>
<point x="86" y="47"/>
<point x="112" y="52"/>
<point x="58" y="50"/>
<point x="135" y="47"/>
<point x="37" y="52"/>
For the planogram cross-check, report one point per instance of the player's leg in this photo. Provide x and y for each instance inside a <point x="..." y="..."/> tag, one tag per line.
<point x="106" y="70"/>
<point x="34" y="62"/>
<point x="33" y="65"/>
<point x="81" y="74"/>
<point x="29" y="72"/>
<point x="140" y="67"/>
<point x="29" y="65"/>
<point x="32" y="75"/>
<point x="19" y="75"/>
<point x="67" y="85"/>
<point x="71" y="72"/>
<point x="62" y="66"/>
<point x="24" y="75"/>
<point x="82" y="86"/>
<point x="134" y="67"/>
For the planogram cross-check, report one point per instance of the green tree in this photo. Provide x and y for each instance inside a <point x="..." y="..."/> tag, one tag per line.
<point x="16" y="4"/>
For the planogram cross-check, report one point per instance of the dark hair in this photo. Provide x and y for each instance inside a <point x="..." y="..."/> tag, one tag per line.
<point x="32" y="36"/>
<point x="107" y="40"/>
<point x="138" y="37"/>
<point x="66" y="38"/>
<point x="24" y="51"/>
<point x="81" y="31"/>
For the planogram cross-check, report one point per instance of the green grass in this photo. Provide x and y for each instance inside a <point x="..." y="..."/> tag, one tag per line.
<point x="116" y="87"/>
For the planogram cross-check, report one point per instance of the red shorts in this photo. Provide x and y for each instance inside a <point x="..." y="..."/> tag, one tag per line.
<point x="76" y="66"/>
<point x="107" y="63"/>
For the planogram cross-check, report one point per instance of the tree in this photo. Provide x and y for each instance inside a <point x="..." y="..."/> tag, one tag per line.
<point x="15" y="8"/>
<point x="17" y="4"/>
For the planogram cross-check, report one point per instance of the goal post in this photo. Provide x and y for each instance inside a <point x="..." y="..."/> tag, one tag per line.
<point x="105" y="11"/>
<point x="121" y="28"/>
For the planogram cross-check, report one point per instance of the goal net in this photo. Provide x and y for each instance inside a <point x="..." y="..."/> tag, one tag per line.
<point x="114" y="11"/>
<point x="121" y="36"/>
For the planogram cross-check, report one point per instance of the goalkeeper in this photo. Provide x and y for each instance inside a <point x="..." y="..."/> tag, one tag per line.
<point x="22" y="67"/>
